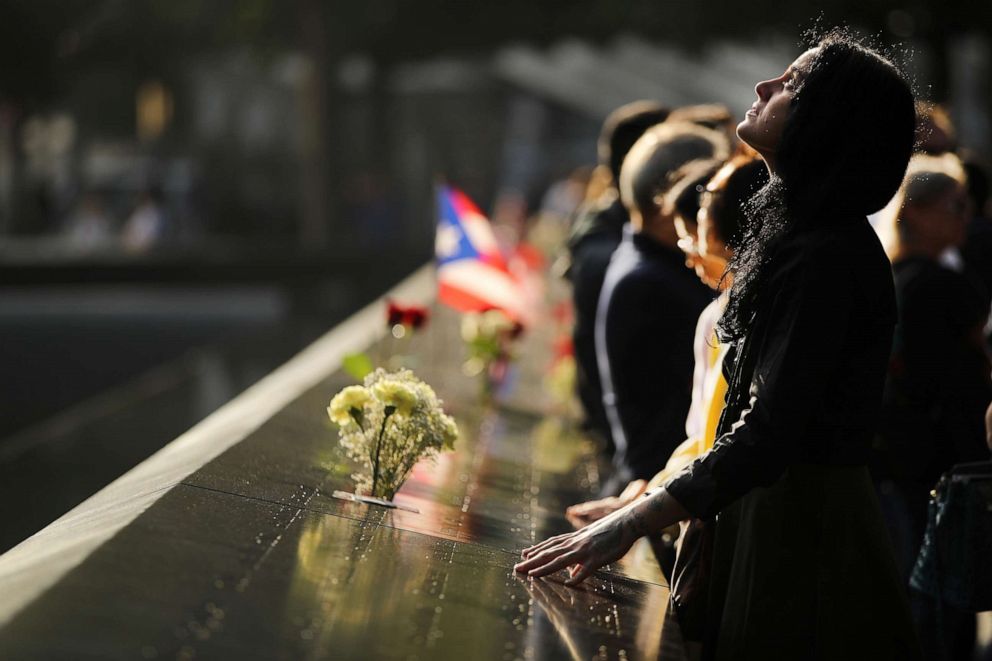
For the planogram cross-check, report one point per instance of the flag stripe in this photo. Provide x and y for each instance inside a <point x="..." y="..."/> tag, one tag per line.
<point x="496" y="288"/>
<point x="472" y="273"/>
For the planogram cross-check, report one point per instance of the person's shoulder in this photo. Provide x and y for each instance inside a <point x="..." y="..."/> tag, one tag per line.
<point x="602" y="217"/>
<point x="848" y="237"/>
<point x="631" y="278"/>
<point x="595" y="249"/>
<point x="649" y="270"/>
<point x="929" y="283"/>
<point x="654" y="288"/>
<point x="638" y="277"/>
<point x="838" y="260"/>
<point x="850" y="246"/>
<point x="814" y="252"/>
<point x="979" y="231"/>
<point x="925" y="274"/>
<point x="708" y="318"/>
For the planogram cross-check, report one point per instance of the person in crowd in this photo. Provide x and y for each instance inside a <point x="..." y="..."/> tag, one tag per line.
<point x="146" y="227"/>
<point x="714" y="116"/>
<point x="90" y="227"/>
<point x="596" y="233"/>
<point x="726" y="188"/>
<point x="563" y="197"/>
<point x="682" y="201"/>
<point x="935" y="133"/>
<point x="648" y="307"/>
<point x="977" y="249"/>
<point x="938" y="384"/>
<point x="801" y="566"/>
<point x="988" y="427"/>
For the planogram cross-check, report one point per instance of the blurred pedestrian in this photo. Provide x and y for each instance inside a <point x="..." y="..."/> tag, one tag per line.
<point x="977" y="249"/>
<point x="720" y="215"/>
<point x="938" y="385"/>
<point x="648" y="307"/>
<point x="90" y="228"/>
<point x="596" y="233"/>
<point x="146" y="227"/>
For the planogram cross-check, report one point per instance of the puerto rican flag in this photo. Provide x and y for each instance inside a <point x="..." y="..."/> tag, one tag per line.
<point x="471" y="272"/>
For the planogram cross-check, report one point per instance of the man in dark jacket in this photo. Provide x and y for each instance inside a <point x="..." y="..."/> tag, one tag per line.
<point x="648" y="308"/>
<point x="596" y="233"/>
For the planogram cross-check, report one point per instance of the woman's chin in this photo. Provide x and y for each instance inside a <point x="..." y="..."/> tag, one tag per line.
<point x="747" y="128"/>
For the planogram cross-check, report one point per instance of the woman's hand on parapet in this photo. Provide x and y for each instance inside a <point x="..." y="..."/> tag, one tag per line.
<point x="584" y="551"/>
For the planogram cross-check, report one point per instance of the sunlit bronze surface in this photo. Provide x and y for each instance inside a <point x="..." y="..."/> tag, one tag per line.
<point x="251" y="557"/>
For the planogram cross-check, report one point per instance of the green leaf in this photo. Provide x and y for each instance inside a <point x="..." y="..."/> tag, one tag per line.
<point x="358" y="365"/>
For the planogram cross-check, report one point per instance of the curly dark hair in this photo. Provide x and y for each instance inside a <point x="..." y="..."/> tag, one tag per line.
<point x="842" y="155"/>
<point x="729" y="192"/>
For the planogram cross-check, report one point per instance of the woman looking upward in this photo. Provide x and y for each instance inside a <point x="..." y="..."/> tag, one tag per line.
<point x="801" y="566"/>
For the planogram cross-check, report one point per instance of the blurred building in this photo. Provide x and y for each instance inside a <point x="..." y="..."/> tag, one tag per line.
<point x="313" y="125"/>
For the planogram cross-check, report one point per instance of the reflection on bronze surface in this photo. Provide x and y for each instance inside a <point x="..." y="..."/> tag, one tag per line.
<point x="251" y="557"/>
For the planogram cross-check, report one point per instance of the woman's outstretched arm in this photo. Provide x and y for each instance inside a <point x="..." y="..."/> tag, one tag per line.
<point x="605" y="541"/>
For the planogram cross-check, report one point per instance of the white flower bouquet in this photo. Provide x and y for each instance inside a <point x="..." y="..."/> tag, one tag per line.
<point x="387" y="425"/>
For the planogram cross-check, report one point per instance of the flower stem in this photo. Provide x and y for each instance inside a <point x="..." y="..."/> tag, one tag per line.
<point x="378" y="451"/>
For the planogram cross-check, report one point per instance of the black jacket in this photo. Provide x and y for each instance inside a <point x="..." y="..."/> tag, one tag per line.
<point x="808" y="379"/>
<point x="938" y="387"/>
<point x="596" y="234"/>
<point x="645" y="323"/>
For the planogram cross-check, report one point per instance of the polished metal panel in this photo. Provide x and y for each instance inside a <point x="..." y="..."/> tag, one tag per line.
<point x="251" y="557"/>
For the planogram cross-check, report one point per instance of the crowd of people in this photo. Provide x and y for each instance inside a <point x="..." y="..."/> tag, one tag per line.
<point x="91" y="227"/>
<point x="780" y="345"/>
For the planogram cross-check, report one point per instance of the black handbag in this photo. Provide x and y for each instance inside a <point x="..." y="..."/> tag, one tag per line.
<point x="955" y="562"/>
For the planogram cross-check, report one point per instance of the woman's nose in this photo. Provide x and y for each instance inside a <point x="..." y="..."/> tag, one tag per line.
<point x="763" y="89"/>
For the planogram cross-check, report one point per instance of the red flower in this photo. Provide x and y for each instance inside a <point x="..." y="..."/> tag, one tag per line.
<point x="563" y="347"/>
<point x="563" y="312"/>
<point x="411" y="316"/>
